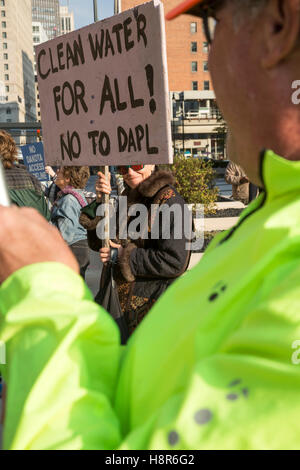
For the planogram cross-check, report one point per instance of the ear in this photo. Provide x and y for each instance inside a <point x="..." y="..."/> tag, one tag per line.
<point x="281" y="30"/>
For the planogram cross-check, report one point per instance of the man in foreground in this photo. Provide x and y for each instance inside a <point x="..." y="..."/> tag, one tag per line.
<point x="214" y="364"/>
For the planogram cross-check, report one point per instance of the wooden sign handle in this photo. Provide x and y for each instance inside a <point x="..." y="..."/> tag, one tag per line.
<point x="106" y="202"/>
<point x="104" y="199"/>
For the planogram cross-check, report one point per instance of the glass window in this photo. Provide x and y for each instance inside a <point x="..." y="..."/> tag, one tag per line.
<point x="5" y="56"/>
<point x="6" y="77"/>
<point x="3" y="23"/>
<point x="205" y="66"/>
<point x="3" y="14"/>
<point x="193" y="28"/>
<point x="193" y="47"/>
<point x="205" y="47"/>
<point x="4" y="35"/>
<point x="2" y="3"/>
<point x="194" y="66"/>
<point x="5" y="45"/>
<point x="194" y="86"/>
<point x="206" y="85"/>
<point x="5" y="66"/>
<point x="8" y="111"/>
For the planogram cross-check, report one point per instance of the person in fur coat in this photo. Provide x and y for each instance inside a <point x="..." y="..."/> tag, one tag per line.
<point x="144" y="267"/>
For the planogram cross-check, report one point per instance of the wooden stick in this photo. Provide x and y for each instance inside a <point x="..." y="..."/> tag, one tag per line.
<point x="105" y="199"/>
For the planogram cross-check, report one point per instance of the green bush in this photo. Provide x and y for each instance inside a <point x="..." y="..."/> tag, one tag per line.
<point x="195" y="181"/>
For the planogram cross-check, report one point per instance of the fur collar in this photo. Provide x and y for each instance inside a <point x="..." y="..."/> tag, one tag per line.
<point x="151" y="185"/>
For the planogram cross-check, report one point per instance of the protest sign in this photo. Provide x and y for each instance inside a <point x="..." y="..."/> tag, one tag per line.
<point x="104" y="92"/>
<point x="33" y="156"/>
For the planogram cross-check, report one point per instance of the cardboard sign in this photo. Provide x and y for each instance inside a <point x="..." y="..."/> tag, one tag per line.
<point x="104" y="92"/>
<point x="33" y="156"/>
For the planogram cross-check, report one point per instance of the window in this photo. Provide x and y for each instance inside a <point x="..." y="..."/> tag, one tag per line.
<point x="194" y="86"/>
<point x="205" y="66"/>
<point x="3" y="14"/>
<point x="36" y="39"/>
<point x="194" y="66"/>
<point x="6" y="77"/>
<point x="7" y="89"/>
<point x="5" y="56"/>
<point x="2" y="3"/>
<point x="8" y="111"/>
<point x="206" y="85"/>
<point x="193" y="47"/>
<point x="4" y="35"/>
<point x="193" y="28"/>
<point x="3" y="23"/>
<point x="5" y="45"/>
<point x="205" y="47"/>
<point x="5" y="66"/>
<point x="36" y="29"/>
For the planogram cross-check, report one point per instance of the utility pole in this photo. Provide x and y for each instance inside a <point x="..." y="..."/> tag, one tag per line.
<point x="95" y="11"/>
<point x="118" y="7"/>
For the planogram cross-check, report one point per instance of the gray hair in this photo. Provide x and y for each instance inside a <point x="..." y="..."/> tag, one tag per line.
<point x="254" y="6"/>
<point x="251" y="7"/>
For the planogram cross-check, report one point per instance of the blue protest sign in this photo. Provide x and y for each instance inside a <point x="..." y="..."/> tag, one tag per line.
<point x="33" y="156"/>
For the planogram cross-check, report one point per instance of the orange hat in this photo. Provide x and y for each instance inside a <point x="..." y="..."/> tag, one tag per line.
<point x="183" y="7"/>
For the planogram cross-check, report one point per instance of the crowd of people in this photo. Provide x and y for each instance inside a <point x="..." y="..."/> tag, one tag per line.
<point x="143" y="267"/>
<point x="213" y="363"/>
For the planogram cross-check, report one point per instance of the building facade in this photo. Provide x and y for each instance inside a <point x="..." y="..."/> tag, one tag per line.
<point x="67" y="23"/>
<point x="17" y="83"/>
<point x="194" y="113"/>
<point x="39" y="35"/>
<point x="47" y="13"/>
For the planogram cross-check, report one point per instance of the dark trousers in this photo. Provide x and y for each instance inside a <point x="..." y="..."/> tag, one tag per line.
<point x="81" y="252"/>
<point x="253" y="192"/>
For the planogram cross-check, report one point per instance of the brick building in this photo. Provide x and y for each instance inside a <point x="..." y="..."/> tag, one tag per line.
<point x="192" y="100"/>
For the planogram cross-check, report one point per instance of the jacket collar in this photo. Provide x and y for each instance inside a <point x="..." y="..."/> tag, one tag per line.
<point x="279" y="175"/>
<point x="155" y="183"/>
<point x="151" y="186"/>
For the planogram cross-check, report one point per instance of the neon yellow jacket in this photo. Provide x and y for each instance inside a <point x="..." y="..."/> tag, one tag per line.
<point x="213" y="366"/>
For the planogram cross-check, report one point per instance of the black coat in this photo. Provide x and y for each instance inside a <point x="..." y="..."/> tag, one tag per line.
<point x="147" y="266"/>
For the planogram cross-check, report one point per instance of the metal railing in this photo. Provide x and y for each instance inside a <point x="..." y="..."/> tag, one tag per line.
<point x="23" y="132"/>
<point x="202" y="113"/>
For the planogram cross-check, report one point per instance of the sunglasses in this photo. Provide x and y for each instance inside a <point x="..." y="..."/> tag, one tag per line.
<point x="124" y="169"/>
<point x="207" y="12"/>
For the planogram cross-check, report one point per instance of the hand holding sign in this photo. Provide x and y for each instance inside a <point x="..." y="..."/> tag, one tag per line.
<point x="102" y="185"/>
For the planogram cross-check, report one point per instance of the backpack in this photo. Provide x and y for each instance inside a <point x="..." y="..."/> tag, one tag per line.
<point x="30" y="198"/>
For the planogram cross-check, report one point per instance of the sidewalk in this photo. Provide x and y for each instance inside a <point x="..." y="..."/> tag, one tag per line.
<point x="216" y="224"/>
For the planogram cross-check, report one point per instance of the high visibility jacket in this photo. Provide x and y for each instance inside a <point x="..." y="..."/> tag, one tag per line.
<point x="215" y="365"/>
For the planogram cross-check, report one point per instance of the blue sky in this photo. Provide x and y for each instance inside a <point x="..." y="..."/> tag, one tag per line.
<point x="83" y="10"/>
